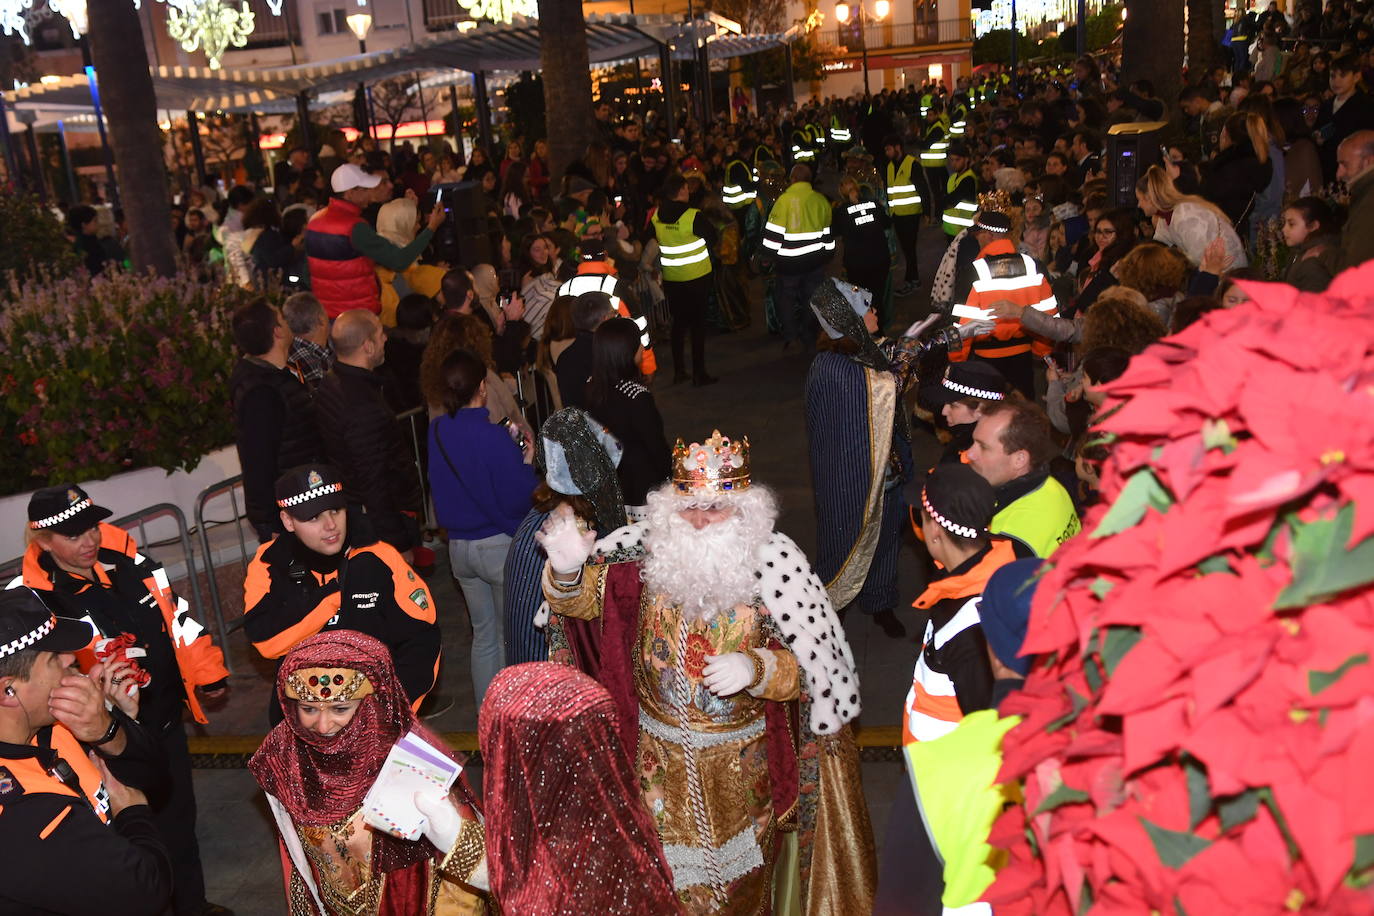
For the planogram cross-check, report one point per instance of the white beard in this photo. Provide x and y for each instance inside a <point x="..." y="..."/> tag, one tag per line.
<point x="711" y="570"/>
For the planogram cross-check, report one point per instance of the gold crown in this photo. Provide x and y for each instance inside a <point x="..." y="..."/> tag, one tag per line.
<point x="995" y="202"/>
<point x="718" y="465"/>
<point x="327" y="685"/>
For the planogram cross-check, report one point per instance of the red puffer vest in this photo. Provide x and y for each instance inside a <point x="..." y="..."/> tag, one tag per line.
<point x="340" y="277"/>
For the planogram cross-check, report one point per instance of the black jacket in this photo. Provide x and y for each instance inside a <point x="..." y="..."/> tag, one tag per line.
<point x="291" y="593"/>
<point x="59" y="857"/>
<point x="1233" y="179"/>
<point x="632" y="417"/>
<point x="274" y="429"/>
<point x="363" y="439"/>
<point x="573" y="368"/>
<point x="1335" y="124"/>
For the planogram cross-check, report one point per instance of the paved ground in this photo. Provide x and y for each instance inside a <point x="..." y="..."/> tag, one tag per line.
<point x="759" y="395"/>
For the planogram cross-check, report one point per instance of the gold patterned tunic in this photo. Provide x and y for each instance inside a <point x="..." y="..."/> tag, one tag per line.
<point x="702" y="758"/>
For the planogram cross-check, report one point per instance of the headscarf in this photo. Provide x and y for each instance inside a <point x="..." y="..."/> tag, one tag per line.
<point x="321" y="779"/>
<point x="396" y="221"/>
<point x="578" y="457"/>
<point x="833" y="303"/>
<point x="567" y="831"/>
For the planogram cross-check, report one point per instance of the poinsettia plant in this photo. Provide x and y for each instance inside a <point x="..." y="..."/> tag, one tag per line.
<point x="1199" y="724"/>
<point x="112" y="373"/>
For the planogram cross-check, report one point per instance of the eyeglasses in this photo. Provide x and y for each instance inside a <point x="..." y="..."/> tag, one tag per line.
<point x="1311" y="109"/>
<point x="1104" y="231"/>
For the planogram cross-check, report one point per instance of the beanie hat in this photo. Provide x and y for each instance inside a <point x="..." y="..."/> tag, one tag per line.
<point x="1005" y="611"/>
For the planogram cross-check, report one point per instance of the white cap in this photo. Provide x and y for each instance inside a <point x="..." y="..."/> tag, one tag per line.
<point x="349" y="176"/>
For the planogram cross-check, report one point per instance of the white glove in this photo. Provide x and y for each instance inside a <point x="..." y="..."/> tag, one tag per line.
<point x="976" y="328"/>
<point x="566" y="546"/>
<point x="726" y="675"/>
<point x="442" y="820"/>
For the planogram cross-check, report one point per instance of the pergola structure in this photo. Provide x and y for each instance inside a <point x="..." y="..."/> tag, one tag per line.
<point x="487" y="47"/>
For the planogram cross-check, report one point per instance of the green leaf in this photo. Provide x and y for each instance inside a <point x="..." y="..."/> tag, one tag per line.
<point x="1178" y="908"/>
<point x="1115" y="644"/>
<point x="1101" y="587"/>
<point x="1141" y="492"/>
<point x="1237" y="809"/>
<point x="1217" y="563"/>
<point x="1064" y="795"/>
<point x="1317" y="681"/>
<point x="1199" y="795"/>
<point x="1085" y="898"/>
<point x="1266" y="796"/>
<point x="1174" y="848"/>
<point x="1092" y="674"/>
<point x="1322" y="567"/>
<point x="1364" y="852"/>
<point x="1217" y="434"/>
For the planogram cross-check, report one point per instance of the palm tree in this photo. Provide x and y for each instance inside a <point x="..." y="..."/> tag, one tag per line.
<point x="567" y="82"/>
<point x="126" y="92"/>
<point x="1152" y="45"/>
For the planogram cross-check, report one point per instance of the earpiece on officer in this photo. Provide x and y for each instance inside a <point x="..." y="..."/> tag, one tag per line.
<point x="9" y="691"/>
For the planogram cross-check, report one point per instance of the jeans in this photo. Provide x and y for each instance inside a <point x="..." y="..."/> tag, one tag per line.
<point x="792" y="295"/>
<point x="479" y="567"/>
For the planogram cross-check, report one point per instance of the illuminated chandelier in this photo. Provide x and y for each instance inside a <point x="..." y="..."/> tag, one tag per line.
<point x="18" y="16"/>
<point x="502" y="11"/>
<point x="209" y="24"/>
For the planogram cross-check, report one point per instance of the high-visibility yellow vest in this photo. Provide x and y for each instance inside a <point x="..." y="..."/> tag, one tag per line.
<point x="958" y="213"/>
<point x="1042" y="519"/>
<point x="801" y="147"/>
<point x="902" y="197"/>
<point x="838" y="132"/>
<point x="738" y="190"/>
<point x="937" y="142"/>
<point x="682" y="254"/>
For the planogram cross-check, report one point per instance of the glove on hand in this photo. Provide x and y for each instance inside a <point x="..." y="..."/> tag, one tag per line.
<point x="567" y="547"/>
<point x="442" y="820"/>
<point x="726" y="675"/>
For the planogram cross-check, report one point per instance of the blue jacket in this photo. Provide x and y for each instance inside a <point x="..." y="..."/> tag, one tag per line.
<point x="491" y="491"/>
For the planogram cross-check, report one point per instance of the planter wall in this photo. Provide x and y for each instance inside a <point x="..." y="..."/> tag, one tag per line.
<point x="131" y="492"/>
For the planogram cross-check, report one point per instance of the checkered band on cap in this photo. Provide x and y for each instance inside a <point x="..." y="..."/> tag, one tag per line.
<point x="29" y="638"/>
<point x="69" y="512"/>
<point x="962" y="530"/>
<point x="313" y="493"/>
<point x="971" y="391"/>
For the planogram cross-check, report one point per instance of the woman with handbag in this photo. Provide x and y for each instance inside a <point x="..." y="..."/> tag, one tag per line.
<point x="482" y="490"/>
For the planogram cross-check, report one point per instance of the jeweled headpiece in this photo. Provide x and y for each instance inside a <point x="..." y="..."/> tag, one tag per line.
<point x="718" y="465"/>
<point x="998" y="201"/>
<point x="327" y="685"/>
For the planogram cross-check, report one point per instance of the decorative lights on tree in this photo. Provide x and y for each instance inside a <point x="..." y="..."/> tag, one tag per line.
<point x="209" y="24"/>
<point x="500" y="10"/>
<point x="18" y="16"/>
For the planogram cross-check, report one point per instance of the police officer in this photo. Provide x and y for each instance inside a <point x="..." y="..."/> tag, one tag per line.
<point x="329" y="571"/>
<point x="78" y="837"/>
<point x="84" y="568"/>
<point x="595" y="274"/>
<point x="933" y="156"/>
<point x="798" y="233"/>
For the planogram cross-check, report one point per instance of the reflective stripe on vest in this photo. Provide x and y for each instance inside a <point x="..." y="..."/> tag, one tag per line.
<point x="934" y="155"/>
<point x="932" y="709"/>
<point x="958" y="215"/>
<point x="734" y="195"/>
<point x="796" y="244"/>
<point x="591" y="283"/>
<point x="902" y="196"/>
<point x="986" y="282"/>
<point x="682" y="254"/>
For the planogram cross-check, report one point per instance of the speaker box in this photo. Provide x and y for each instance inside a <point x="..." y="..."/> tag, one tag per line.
<point x="462" y="240"/>
<point x="1131" y="150"/>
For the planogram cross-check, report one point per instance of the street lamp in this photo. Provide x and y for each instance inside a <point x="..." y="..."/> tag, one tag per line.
<point x="880" y="10"/>
<point x="360" y="23"/>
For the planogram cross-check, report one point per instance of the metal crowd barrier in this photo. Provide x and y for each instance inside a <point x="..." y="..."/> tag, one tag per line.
<point x="233" y="486"/>
<point x="417" y="420"/>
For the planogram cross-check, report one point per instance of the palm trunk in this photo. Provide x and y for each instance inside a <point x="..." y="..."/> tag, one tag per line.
<point x="126" y="92"/>
<point x="1151" y="42"/>
<point x="567" y="83"/>
<point x="1202" y="51"/>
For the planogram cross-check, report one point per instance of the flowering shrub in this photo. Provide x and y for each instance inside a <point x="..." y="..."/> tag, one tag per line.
<point x="1198" y="724"/>
<point x="108" y="374"/>
<point x="31" y="239"/>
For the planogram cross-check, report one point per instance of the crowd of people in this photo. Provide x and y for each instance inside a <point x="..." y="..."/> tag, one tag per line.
<point x="666" y="689"/>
